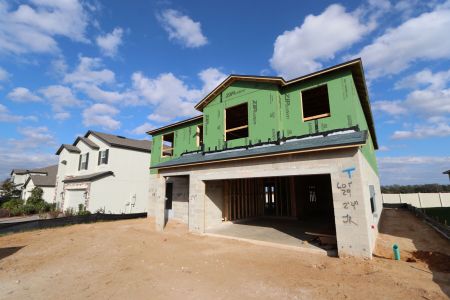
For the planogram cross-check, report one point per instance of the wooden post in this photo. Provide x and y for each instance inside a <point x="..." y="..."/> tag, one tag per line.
<point x="293" y="196"/>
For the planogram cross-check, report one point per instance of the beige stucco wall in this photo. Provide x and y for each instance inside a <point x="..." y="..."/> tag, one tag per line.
<point x="354" y="231"/>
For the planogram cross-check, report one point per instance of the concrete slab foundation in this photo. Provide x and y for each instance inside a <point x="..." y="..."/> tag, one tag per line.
<point x="285" y="232"/>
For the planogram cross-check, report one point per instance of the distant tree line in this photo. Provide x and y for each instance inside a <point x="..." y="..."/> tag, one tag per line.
<point x="417" y="188"/>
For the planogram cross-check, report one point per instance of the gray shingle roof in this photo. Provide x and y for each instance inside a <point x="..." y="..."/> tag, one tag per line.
<point x="45" y="180"/>
<point x="89" y="177"/>
<point x="318" y="142"/>
<point x="68" y="147"/>
<point x="121" y="141"/>
<point x="19" y="171"/>
<point x="87" y="142"/>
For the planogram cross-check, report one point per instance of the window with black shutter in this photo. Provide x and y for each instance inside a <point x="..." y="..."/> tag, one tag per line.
<point x="103" y="157"/>
<point x="83" y="163"/>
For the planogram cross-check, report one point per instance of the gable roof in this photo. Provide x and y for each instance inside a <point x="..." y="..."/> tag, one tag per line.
<point x="354" y="65"/>
<point x="87" y="141"/>
<point x="28" y="171"/>
<point x="48" y="180"/>
<point x="121" y="141"/>
<point x="19" y="171"/>
<point x="68" y="147"/>
<point x="175" y="124"/>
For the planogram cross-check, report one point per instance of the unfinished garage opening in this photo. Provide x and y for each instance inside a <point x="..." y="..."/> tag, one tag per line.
<point x="291" y="209"/>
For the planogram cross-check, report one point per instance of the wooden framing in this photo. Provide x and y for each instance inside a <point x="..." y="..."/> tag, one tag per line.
<point x="317" y="117"/>
<point x="246" y="198"/>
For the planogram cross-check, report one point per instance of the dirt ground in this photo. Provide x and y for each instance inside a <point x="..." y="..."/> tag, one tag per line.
<point x="130" y="260"/>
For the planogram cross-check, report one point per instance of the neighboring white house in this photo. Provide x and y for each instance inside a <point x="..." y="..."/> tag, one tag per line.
<point x="20" y="176"/>
<point x="26" y="179"/>
<point x="45" y="178"/>
<point x="104" y="172"/>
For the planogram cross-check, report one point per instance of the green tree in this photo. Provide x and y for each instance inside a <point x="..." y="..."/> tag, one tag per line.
<point x="36" y="196"/>
<point x="9" y="190"/>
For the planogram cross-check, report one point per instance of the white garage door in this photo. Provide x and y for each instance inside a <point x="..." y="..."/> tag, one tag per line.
<point x="74" y="198"/>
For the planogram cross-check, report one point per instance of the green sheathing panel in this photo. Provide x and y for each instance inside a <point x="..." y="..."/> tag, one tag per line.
<point x="185" y="139"/>
<point x="263" y="114"/>
<point x="272" y="110"/>
<point x="368" y="149"/>
<point x="341" y="97"/>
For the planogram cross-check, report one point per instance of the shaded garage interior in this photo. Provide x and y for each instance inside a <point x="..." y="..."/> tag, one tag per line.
<point x="291" y="210"/>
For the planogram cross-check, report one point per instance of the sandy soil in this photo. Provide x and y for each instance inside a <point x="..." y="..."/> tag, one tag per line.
<point x="129" y="260"/>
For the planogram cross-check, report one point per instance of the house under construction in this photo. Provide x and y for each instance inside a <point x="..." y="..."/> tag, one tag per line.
<point x="296" y="155"/>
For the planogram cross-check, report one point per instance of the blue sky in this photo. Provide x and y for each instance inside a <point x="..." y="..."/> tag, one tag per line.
<point x="70" y="66"/>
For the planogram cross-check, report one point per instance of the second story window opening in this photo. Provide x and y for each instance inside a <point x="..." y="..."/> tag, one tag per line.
<point x="199" y="135"/>
<point x="315" y="103"/>
<point x="236" y="122"/>
<point x="167" y="144"/>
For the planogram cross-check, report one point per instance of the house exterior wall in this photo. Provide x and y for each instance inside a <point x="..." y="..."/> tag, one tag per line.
<point x="124" y="192"/>
<point x="19" y="178"/>
<point x="47" y="195"/>
<point x="354" y="231"/>
<point x="272" y="112"/>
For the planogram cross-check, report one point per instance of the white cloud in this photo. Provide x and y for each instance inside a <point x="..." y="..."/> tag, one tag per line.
<point x="3" y="74"/>
<point x="33" y="27"/>
<point x="429" y="101"/>
<point x="389" y="107"/>
<point x="7" y="116"/>
<point x="142" y="129"/>
<point x="59" y="66"/>
<point x="167" y="92"/>
<point x="423" y="131"/>
<point x="413" y="169"/>
<point x="424" y="37"/>
<point x="90" y="77"/>
<point x="21" y="94"/>
<point x="33" y="149"/>
<point x="319" y="38"/>
<point x="33" y="137"/>
<point x="61" y="116"/>
<point x="90" y="71"/>
<point x="182" y="29"/>
<point x="101" y="115"/>
<point x="60" y="98"/>
<point x="211" y="78"/>
<point x="110" y="42"/>
<point x="425" y="77"/>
